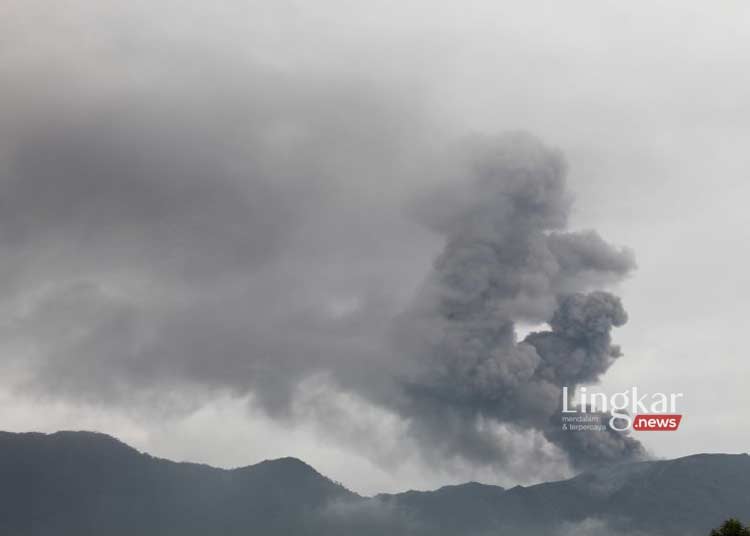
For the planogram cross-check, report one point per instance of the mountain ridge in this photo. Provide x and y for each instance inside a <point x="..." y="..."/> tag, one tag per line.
<point x="91" y="483"/>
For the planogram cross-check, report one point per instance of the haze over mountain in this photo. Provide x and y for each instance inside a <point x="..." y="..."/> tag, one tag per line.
<point x="82" y="483"/>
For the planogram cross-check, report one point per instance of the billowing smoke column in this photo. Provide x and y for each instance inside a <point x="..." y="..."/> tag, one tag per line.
<point x="507" y="260"/>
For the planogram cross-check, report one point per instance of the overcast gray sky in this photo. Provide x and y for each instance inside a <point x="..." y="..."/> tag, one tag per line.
<point x="211" y="217"/>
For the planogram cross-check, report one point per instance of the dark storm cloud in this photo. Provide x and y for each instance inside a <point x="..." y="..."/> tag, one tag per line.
<point x="194" y="223"/>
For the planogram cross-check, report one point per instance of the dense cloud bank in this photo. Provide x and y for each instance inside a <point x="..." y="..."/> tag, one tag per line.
<point x="189" y="223"/>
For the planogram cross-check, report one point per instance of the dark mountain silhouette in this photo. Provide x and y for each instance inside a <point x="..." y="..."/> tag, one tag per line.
<point x="81" y="483"/>
<point x="684" y="496"/>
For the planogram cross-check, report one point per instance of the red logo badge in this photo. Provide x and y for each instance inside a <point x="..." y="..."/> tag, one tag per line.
<point x="656" y="423"/>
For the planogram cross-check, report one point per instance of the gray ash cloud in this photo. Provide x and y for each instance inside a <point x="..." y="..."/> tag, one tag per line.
<point x="507" y="259"/>
<point x="192" y="224"/>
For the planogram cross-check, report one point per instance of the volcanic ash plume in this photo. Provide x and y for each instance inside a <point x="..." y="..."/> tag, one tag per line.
<point x="508" y="260"/>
